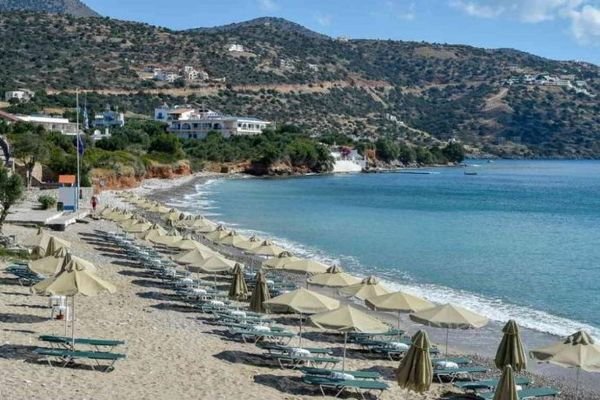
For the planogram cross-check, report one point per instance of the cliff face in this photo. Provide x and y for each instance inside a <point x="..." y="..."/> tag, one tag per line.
<point x="104" y="179"/>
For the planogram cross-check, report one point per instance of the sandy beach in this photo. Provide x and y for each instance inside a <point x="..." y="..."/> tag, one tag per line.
<point x="173" y="351"/>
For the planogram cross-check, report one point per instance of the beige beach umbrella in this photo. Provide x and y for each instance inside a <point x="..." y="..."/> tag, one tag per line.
<point x="132" y="220"/>
<point x="205" y="228"/>
<point x="233" y="239"/>
<point x="74" y="279"/>
<point x="399" y="302"/>
<point x="348" y="319"/>
<point x="238" y="289"/>
<point x="511" y="351"/>
<point x="279" y="261"/>
<point x="416" y="371"/>
<point x="215" y="264"/>
<point x="449" y="316"/>
<point x="194" y="256"/>
<point x="187" y="220"/>
<point x="55" y="244"/>
<point x="367" y="288"/>
<point x="121" y="216"/>
<point x="260" y="294"/>
<point x="159" y="208"/>
<point x="189" y="244"/>
<point x="170" y="238"/>
<point x="218" y="234"/>
<point x="154" y="231"/>
<point x="305" y="266"/>
<point x="251" y="243"/>
<point x="175" y="216"/>
<point x="335" y="277"/>
<point x="507" y="388"/>
<point x="302" y="301"/>
<point x="267" y="248"/>
<point x="52" y="265"/>
<point x="578" y="350"/>
<point x="139" y="228"/>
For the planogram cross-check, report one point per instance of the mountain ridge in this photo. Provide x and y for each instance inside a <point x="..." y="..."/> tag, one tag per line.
<point x="367" y="88"/>
<point x="71" y="7"/>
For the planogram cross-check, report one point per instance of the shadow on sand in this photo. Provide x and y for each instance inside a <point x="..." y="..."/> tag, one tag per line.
<point x="21" y="319"/>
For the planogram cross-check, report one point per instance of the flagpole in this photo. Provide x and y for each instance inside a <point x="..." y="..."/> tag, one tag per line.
<point x="77" y="150"/>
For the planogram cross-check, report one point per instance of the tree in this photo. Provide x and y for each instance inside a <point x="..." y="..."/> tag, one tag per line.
<point x="11" y="190"/>
<point x="454" y="152"/>
<point x="31" y="149"/>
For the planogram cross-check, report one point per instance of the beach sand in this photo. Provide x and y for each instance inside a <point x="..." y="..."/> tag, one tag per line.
<point x="173" y="351"/>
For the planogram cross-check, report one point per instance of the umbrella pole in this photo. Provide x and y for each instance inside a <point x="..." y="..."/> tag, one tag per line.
<point x="73" y="325"/>
<point x="344" y="358"/>
<point x="447" y="332"/>
<point x="67" y="314"/>
<point x="577" y="384"/>
<point x="300" y="334"/>
<point x="399" y="334"/>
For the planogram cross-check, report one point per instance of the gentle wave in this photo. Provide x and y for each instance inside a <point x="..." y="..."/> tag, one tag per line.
<point x="494" y="309"/>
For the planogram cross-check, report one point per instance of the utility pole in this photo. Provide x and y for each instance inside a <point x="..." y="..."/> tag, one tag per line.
<point x="77" y="147"/>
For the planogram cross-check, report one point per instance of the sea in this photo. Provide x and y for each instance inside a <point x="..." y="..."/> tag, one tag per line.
<point x="517" y="240"/>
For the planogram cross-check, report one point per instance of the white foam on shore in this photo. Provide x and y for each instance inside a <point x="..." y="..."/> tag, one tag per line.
<point x="494" y="309"/>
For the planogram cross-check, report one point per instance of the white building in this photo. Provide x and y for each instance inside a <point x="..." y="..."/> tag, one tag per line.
<point x="192" y="74"/>
<point x="236" y="48"/>
<point x="62" y="125"/>
<point x="195" y="123"/>
<point x="109" y="119"/>
<point x="165" y="76"/>
<point x="22" y="95"/>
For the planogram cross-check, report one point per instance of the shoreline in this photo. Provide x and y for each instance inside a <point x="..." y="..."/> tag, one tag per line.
<point x="481" y="344"/>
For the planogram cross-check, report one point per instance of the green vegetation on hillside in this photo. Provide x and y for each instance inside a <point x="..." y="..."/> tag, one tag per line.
<point x="423" y="94"/>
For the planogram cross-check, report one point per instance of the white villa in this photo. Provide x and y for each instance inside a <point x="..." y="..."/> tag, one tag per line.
<point x="236" y="48"/>
<point x="188" y="122"/>
<point x="55" y="124"/>
<point x="22" y="95"/>
<point x="109" y="119"/>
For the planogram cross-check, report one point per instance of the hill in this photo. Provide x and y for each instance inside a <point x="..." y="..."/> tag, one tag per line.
<point x="280" y="24"/>
<point x="72" y="7"/>
<point x="415" y="92"/>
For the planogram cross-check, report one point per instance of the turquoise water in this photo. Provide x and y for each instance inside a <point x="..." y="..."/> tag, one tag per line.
<point x="519" y="240"/>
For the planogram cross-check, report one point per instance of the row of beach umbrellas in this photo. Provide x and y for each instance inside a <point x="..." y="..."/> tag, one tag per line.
<point x="578" y="350"/>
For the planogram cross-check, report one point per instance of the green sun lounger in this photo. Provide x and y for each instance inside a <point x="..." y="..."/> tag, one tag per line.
<point x="457" y="360"/>
<point x="294" y="361"/>
<point x="326" y="372"/>
<point x="526" y="393"/>
<point x="69" y="356"/>
<point x="454" y="373"/>
<point x="358" y="385"/>
<point x="278" y="337"/>
<point x="66" y="341"/>
<point x="277" y="348"/>
<point x="489" y="384"/>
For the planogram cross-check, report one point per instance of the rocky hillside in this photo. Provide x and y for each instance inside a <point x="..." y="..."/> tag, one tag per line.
<point x="72" y="7"/>
<point x="416" y="91"/>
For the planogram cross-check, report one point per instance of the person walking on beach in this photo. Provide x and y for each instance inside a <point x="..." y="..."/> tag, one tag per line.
<point x="94" y="203"/>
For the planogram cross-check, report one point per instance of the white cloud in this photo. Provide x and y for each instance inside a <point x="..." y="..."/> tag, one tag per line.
<point x="402" y="9"/>
<point x="267" y="5"/>
<point x="323" y="19"/>
<point x="478" y="9"/>
<point x="585" y="24"/>
<point x="583" y="15"/>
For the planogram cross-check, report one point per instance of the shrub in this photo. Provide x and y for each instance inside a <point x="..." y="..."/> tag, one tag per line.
<point x="47" y="201"/>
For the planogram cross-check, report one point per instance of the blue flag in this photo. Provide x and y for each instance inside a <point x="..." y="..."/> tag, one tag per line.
<point x="80" y="145"/>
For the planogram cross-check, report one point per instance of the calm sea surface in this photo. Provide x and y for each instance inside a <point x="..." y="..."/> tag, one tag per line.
<point x="519" y="240"/>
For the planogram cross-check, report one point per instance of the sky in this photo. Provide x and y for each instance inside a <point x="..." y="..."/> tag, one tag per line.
<point x="557" y="29"/>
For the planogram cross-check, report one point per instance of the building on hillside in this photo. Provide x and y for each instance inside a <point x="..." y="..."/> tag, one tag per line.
<point x="236" y="48"/>
<point x="192" y="74"/>
<point x="55" y="124"/>
<point x="165" y="76"/>
<point x="188" y="122"/>
<point x="109" y="119"/>
<point x="347" y="160"/>
<point x="22" y="95"/>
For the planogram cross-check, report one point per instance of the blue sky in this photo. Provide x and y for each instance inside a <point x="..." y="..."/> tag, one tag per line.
<point x="558" y="29"/>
